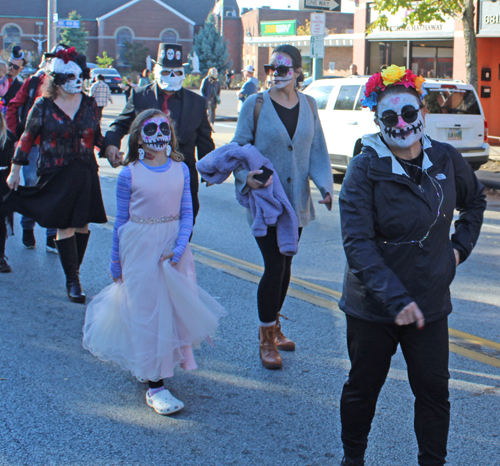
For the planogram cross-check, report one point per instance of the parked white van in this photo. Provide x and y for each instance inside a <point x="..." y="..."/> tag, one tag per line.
<point x="454" y="115"/>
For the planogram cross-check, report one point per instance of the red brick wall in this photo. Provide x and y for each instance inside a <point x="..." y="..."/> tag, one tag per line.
<point x="342" y="56"/>
<point x="459" y="71"/>
<point x="233" y="33"/>
<point x="359" y="44"/>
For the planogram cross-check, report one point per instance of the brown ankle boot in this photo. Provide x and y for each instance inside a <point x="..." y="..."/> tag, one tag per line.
<point x="269" y="354"/>
<point x="282" y="342"/>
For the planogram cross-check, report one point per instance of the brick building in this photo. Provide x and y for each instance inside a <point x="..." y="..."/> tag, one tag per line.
<point x="257" y="48"/>
<point x="109" y="23"/>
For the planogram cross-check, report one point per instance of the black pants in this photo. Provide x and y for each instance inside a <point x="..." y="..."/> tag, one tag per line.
<point x="371" y="346"/>
<point x="99" y="112"/>
<point x="3" y="234"/>
<point x="274" y="283"/>
<point x="194" y="185"/>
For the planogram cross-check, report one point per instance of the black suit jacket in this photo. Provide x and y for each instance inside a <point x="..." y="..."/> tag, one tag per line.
<point x="193" y="130"/>
<point x="14" y="87"/>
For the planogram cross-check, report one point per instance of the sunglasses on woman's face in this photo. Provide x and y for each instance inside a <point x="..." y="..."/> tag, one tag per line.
<point x="408" y="113"/>
<point x="16" y="67"/>
<point x="151" y="129"/>
<point x="281" y="69"/>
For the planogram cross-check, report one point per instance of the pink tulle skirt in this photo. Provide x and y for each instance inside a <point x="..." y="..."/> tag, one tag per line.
<point x="151" y="320"/>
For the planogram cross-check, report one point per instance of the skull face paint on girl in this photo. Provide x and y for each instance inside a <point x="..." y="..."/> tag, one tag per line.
<point x="155" y="133"/>
<point x="281" y="59"/>
<point x="409" y="127"/>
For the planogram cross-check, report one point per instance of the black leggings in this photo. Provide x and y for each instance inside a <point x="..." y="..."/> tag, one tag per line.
<point x="371" y="346"/>
<point x="3" y="234"/>
<point x="274" y="282"/>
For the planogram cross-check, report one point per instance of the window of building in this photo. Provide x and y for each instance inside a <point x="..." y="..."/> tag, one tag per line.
<point x="169" y="36"/>
<point x="123" y="36"/>
<point x="11" y="36"/>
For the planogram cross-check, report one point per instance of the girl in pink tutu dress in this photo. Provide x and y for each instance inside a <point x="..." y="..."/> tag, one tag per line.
<point x="150" y="319"/>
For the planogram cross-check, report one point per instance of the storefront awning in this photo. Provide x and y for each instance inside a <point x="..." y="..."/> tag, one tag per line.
<point x="333" y="40"/>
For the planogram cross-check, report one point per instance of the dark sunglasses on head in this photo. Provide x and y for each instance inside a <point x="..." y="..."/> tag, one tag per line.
<point x="408" y="113"/>
<point x="16" y="67"/>
<point x="152" y="128"/>
<point x="281" y="69"/>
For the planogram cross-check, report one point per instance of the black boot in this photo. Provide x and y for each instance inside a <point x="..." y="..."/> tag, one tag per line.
<point x="69" y="260"/>
<point x="82" y="239"/>
<point x="4" y="266"/>
<point x="350" y="461"/>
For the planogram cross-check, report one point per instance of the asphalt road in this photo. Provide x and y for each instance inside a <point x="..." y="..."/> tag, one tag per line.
<point x="59" y="405"/>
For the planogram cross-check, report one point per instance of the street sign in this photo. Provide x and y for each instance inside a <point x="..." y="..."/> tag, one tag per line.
<point x="317" y="46"/>
<point x="319" y="5"/>
<point x="318" y="23"/>
<point x="68" y="23"/>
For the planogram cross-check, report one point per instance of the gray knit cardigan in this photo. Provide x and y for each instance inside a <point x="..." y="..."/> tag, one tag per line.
<point x="296" y="161"/>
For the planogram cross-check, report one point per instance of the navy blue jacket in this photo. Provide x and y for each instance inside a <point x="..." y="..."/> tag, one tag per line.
<point x="396" y="233"/>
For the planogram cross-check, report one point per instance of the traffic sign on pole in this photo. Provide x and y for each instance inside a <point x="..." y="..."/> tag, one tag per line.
<point x="68" y="23"/>
<point x="317" y="46"/>
<point x="319" y="5"/>
<point x="318" y="23"/>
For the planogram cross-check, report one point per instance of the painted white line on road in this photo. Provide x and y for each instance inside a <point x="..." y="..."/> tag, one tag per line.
<point x="224" y="125"/>
<point x="497" y="227"/>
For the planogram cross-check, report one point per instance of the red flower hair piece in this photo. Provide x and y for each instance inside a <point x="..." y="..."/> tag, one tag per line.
<point x="67" y="55"/>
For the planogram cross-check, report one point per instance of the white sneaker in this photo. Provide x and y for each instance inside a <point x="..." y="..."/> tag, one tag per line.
<point x="163" y="402"/>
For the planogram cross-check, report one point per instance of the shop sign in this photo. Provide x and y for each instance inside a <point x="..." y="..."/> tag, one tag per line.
<point x="394" y="27"/>
<point x="489" y="19"/>
<point x="278" y="28"/>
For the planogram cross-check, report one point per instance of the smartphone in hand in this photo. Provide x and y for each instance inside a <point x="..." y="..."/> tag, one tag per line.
<point x="264" y="176"/>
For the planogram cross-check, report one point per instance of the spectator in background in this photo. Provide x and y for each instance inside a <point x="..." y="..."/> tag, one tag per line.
<point x="128" y="87"/>
<point x="229" y="78"/>
<point x="144" y="79"/>
<point x="250" y="87"/>
<point x="353" y="70"/>
<point x="101" y="93"/>
<point x="16" y="64"/>
<point x="210" y="89"/>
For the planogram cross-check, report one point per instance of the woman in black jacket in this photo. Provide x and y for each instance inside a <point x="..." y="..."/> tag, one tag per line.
<point x="396" y="208"/>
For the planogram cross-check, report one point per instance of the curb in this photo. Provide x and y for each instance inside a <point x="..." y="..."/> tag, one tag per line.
<point x="223" y="118"/>
<point x="489" y="179"/>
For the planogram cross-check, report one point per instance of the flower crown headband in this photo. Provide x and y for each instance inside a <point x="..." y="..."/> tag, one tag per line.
<point x="392" y="76"/>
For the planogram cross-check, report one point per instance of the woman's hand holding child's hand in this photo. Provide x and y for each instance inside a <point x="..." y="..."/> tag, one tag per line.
<point x="254" y="184"/>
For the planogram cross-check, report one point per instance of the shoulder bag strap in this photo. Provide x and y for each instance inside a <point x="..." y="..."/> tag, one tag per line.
<point x="256" y="112"/>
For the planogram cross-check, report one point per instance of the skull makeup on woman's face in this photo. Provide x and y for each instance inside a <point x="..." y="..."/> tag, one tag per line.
<point x="400" y="118"/>
<point x="155" y="133"/>
<point x="282" y="67"/>
<point x="72" y="75"/>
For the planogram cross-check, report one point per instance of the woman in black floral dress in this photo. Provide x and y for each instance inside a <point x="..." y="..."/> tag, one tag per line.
<point x="68" y="194"/>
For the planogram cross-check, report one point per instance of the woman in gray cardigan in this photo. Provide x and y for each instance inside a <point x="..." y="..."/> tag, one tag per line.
<point x="289" y="134"/>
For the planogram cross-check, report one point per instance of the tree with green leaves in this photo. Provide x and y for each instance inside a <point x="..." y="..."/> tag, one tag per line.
<point x="425" y="11"/>
<point x="211" y="47"/>
<point x="105" y="61"/>
<point x="136" y="54"/>
<point x="75" y="37"/>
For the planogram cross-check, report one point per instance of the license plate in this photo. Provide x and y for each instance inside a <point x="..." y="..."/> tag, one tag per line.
<point x="454" y="134"/>
<point x="109" y="80"/>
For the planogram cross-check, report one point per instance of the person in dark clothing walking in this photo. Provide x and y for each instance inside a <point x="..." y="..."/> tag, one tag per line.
<point x="186" y="109"/>
<point x="210" y="89"/>
<point x="396" y="208"/>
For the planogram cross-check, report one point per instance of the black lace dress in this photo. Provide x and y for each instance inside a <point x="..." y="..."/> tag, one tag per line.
<point x="68" y="192"/>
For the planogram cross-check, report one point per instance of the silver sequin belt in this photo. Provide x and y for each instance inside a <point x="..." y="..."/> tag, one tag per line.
<point x="153" y="220"/>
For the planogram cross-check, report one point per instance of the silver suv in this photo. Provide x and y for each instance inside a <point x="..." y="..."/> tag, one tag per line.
<point x="454" y="115"/>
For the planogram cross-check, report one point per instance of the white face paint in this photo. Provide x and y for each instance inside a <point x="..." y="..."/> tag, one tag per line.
<point x="282" y="59"/>
<point x="169" y="79"/>
<point x="155" y="133"/>
<point x="75" y="74"/>
<point x="403" y="134"/>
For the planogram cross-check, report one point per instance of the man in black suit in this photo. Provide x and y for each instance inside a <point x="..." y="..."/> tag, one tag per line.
<point x="16" y="64"/>
<point x="187" y="112"/>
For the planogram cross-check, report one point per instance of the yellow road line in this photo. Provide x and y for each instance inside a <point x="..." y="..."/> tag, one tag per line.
<point x="331" y="306"/>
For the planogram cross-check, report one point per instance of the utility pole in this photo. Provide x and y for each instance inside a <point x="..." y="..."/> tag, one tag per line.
<point x="222" y="20"/>
<point x="51" y="24"/>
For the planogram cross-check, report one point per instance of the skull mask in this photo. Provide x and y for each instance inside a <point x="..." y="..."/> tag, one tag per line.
<point x="155" y="133"/>
<point x="71" y="75"/>
<point x="400" y="118"/>
<point x="169" y="79"/>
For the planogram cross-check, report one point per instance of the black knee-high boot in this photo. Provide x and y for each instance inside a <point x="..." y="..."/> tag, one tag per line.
<point x="82" y="239"/>
<point x="68" y="255"/>
<point x="4" y="267"/>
